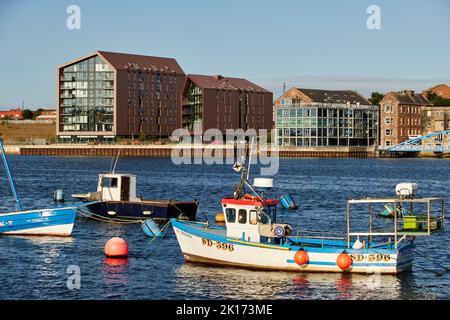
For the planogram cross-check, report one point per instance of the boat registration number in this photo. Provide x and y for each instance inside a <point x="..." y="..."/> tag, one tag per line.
<point x="370" y="257"/>
<point x="217" y="244"/>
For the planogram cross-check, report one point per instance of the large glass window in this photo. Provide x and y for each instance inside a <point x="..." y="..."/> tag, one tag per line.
<point x="87" y="98"/>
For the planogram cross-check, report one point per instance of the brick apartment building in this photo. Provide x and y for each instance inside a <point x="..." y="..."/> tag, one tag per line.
<point x="435" y="119"/>
<point x="225" y="103"/>
<point x="401" y="116"/>
<point x="104" y="95"/>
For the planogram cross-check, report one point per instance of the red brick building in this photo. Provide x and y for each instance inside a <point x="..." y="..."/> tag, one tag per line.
<point x="15" y="114"/>
<point x="401" y="116"/>
<point x="225" y="103"/>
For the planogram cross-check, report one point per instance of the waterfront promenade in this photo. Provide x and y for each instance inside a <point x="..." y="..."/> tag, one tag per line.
<point x="166" y="150"/>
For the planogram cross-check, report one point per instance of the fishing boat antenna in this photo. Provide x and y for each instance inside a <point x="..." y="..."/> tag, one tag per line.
<point x="11" y="181"/>
<point x="115" y="164"/>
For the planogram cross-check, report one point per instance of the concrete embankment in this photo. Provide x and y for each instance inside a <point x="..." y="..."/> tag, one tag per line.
<point x="166" y="151"/>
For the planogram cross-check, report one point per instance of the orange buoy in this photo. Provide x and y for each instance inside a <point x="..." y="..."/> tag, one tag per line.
<point x="301" y="257"/>
<point x="344" y="261"/>
<point x="116" y="248"/>
<point x="220" y="217"/>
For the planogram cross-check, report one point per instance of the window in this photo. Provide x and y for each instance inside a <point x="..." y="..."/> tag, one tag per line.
<point x="388" y="121"/>
<point x="388" y="143"/>
<point x="242" y="216"/>
<point x="109" y="182"/>
<point x="388" y="132"/>
<point x="388" y="108"/>
<point x="253" y="217"/>
<point x="231" y="215"/>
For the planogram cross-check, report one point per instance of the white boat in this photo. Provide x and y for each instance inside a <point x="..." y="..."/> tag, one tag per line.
<point x="252" y="238"/>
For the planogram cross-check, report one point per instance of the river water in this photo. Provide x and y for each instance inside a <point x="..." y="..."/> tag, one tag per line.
<point x="37" y="268"/>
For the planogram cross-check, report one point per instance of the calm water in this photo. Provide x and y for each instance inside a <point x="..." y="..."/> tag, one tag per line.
<point x="35" y="268"/>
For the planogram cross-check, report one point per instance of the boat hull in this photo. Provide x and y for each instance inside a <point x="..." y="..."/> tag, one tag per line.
<point x="47" y="222"/>
<point x="200" y="246"/>
<point x="137" y="211"/>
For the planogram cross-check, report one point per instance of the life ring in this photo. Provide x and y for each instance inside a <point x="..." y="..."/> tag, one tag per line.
<point x="279" y="231"/>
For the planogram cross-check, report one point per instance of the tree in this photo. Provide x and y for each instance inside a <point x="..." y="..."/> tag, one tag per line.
<point x="375" y="98"/>
<point x="437" y="100"/>
<point x="27" y="114"/>
<point x="37" y="113"/>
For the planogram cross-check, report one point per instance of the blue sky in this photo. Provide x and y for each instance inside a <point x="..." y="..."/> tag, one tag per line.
<point x="313" y="44"/>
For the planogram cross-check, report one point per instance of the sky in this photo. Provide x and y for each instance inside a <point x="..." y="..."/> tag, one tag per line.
<point x="310" y="44"/>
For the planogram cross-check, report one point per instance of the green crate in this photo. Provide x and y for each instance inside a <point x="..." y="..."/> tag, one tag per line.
<point x="410" y="222"/>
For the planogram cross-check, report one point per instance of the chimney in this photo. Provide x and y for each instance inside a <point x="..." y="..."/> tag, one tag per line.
<point x="218" y="77"/>
<point x="409" y="93"/>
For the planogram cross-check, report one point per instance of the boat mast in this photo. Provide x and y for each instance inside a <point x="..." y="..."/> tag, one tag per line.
<point x="11" y="181"/>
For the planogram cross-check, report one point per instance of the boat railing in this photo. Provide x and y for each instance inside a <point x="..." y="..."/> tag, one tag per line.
<point x="318" y="235"/>
<point x="413" y="224"/>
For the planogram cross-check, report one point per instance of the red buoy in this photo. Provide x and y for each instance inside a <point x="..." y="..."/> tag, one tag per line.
<point x="301" y="257"/>
<point x="116" y="248"/>
<point x="344" y="261"/>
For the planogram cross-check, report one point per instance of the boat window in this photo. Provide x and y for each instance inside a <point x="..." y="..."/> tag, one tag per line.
<point x="262" y="216"/>
<point x="109" y="182"/>
<point x="242" y="216"/>
<point x="253" y="217"/>
<point x="231" y="215"/>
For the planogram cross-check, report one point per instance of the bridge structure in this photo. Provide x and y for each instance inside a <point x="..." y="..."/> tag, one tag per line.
<point x="433" y="142"/>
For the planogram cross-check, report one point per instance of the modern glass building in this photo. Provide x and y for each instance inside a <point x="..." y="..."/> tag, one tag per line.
<point x="106" y="95"/>
<point x="87" y="96"/>
<point x="309" y="117"/>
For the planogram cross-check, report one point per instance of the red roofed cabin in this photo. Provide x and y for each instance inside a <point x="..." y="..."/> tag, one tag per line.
<point x="15" y="114"/>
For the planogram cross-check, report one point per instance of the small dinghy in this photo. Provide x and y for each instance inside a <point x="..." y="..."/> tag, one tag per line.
<point x="287" y="202"/>
<point x="41" y="222"/>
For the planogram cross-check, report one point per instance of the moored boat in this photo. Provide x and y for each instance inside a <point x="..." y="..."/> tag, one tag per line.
<point x="116" y="200"/>
<point x="252" y="238"/>
<point x="40" y="222"/>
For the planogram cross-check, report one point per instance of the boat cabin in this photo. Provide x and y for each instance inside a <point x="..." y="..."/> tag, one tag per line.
<point x="253" y="219"/>
<point x="117" y="187"/>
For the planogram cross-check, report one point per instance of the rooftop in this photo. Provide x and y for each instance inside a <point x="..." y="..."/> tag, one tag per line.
<point x="410" y="98"/>
<point x="334" y="96"/>
<point x="224" y="83"/>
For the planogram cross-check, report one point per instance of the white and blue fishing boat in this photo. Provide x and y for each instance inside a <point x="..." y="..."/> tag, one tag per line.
<point x="252" y="238"/>
<point x="40" y="222"/>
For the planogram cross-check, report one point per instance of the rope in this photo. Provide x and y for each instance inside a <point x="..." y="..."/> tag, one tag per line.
<point x="433" y="262"/>
<point x="163" y="230"/>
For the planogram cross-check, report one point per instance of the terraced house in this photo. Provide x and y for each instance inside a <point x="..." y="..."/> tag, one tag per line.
<point x="401" y="116"/>
<point x="105" y="95"/>
<point x="313" y="117"/>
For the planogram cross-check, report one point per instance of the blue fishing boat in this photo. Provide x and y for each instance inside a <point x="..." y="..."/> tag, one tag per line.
<point x="40" y="222"/>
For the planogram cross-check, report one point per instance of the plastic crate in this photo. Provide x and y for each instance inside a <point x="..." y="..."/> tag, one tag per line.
<point x="410" y="222"/>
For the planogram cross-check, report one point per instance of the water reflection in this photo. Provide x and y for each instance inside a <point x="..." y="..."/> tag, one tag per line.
<point x="233" y="283"/>
<point x="115" y="271"/>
